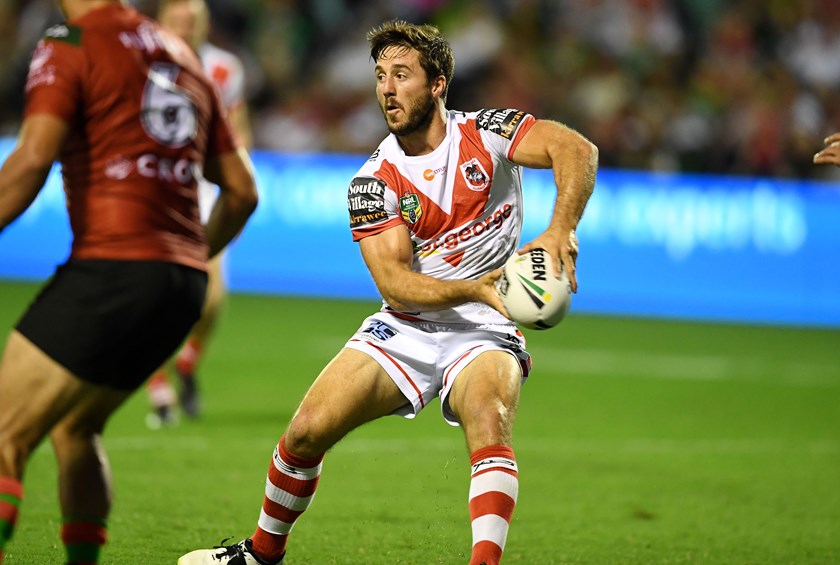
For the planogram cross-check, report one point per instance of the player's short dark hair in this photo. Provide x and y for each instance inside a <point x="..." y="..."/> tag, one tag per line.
<point x="436" y="56"/>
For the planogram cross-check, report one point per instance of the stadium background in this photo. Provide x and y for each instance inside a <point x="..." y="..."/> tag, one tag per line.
<point x="670" y="91"/>
<point x="644" y="437"/>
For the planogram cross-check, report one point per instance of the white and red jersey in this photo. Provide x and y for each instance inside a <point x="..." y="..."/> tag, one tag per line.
<point x="225" y="70"/>
<point x="461" y="203"/>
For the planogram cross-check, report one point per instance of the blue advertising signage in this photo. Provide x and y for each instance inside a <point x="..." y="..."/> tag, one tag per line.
<point x="686" y="246"/>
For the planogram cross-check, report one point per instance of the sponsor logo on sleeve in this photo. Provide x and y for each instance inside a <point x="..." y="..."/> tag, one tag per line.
<point x="366" y="202"/>
<point x="475" y="175"/>
<point x="410" y="208"/>
<point x="501" y="122"/>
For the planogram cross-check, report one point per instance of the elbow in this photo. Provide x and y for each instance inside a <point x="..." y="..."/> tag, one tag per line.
<point x="252" y="199"/>
<point x="589" y="155"/>
<point x="394" y="302"/>
<point x="593" y="154"/>
<point x="588" y="152"/>
<point x="246" y="197"/>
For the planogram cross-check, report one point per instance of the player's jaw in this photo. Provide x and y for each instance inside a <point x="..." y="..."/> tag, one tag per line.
<point x="404" y="119"/>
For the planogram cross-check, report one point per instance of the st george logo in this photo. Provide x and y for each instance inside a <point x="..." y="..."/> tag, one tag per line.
<point x="475" y="175"/>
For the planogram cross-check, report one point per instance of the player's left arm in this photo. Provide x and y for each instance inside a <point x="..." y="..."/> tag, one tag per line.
<point x="830" y="154"/>
<point x="389" y="256"/>
<point x="25" y="170"/>
<point x="574" y="160"/>
<point x="240" y="122"/>
<point x="233" y="173"/>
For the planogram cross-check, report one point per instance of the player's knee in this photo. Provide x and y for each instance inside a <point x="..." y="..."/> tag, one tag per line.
<point x="500" y="416"/>
<point x="306" y="436"/>
<point x="67" y="438"/>
<point x="493" y="422"/>
<point x="14" y="451"/>
<point x="74" y="436"/>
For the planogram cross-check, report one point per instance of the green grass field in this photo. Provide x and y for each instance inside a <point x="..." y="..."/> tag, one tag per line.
<point x="639" y="442"/>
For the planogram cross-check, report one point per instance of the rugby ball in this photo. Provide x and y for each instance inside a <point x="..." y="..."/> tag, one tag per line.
<point x="530" y="292"/>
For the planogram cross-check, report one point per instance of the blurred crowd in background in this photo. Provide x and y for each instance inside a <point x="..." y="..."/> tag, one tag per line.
<point x="718" y="86"/>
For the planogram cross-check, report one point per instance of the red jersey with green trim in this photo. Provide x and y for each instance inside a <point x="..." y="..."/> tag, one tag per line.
<point x="142" y="119"/>
<point x="461" y="203"/>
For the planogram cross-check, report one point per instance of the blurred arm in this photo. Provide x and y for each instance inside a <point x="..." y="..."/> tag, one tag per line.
<point x="234" y="174"/>
<point x="24" y="172"/>
<point x="240" y="122"/>
<point x="574" y="160"/>
<point x="389" y="255"/>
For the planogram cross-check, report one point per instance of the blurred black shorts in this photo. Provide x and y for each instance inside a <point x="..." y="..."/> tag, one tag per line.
<point x="113" y="323"/>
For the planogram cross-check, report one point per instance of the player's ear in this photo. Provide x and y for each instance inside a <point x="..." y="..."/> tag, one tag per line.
<point x="439" y="86"/>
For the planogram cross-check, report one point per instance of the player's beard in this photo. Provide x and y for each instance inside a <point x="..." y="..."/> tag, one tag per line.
<point x="418" y="116"/>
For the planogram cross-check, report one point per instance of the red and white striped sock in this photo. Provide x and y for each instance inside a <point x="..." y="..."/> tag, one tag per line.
<point x="493" y="490"/>
<point x="188" y="357"/>
<point x="161" y="393"/>
<point x="289" y="490"/>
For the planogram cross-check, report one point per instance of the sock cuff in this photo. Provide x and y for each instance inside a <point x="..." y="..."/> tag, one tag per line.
<point x="503" y="451"/>
<point x="296" y="460"/>
<point x="87" y="532"/>
<point x="11" y="487"/>
<point x="159" y="378"/>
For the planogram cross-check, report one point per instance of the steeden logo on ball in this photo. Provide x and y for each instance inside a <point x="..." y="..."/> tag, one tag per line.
<point x="530" y="292"/>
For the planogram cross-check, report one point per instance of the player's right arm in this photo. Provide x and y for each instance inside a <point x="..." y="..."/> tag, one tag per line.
<point x="574" y="160"/>
<point x="389" y="256"/>
<point x="233" y="172"/>
<point x="26" y="169"/>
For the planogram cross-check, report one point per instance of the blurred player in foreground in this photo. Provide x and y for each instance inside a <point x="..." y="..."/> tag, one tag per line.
<point x="190" y="20"/>
<point x="437" y="210"/>
<point x="127" y="110"/>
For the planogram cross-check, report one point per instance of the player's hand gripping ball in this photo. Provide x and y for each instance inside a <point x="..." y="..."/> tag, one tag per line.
<point x="533" y="296"/>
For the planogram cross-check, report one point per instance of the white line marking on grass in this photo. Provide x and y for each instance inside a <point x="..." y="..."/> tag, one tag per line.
<point x="155" y="441"/>
<point x="664" y="446"/>
<point x="643" y="446"/>
<point x="602" y="362"/>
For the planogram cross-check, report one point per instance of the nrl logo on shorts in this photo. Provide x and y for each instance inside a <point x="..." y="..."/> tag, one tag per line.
<point x="410" y="208"/>
<point x="475" y="175"/>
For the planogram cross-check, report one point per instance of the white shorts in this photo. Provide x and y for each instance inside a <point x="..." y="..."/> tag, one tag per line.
<point x="424" y="358"/>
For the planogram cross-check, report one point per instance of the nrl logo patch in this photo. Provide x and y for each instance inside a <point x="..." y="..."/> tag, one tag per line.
<point x="475" y="175"/>
<point x="410" y="208"/>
